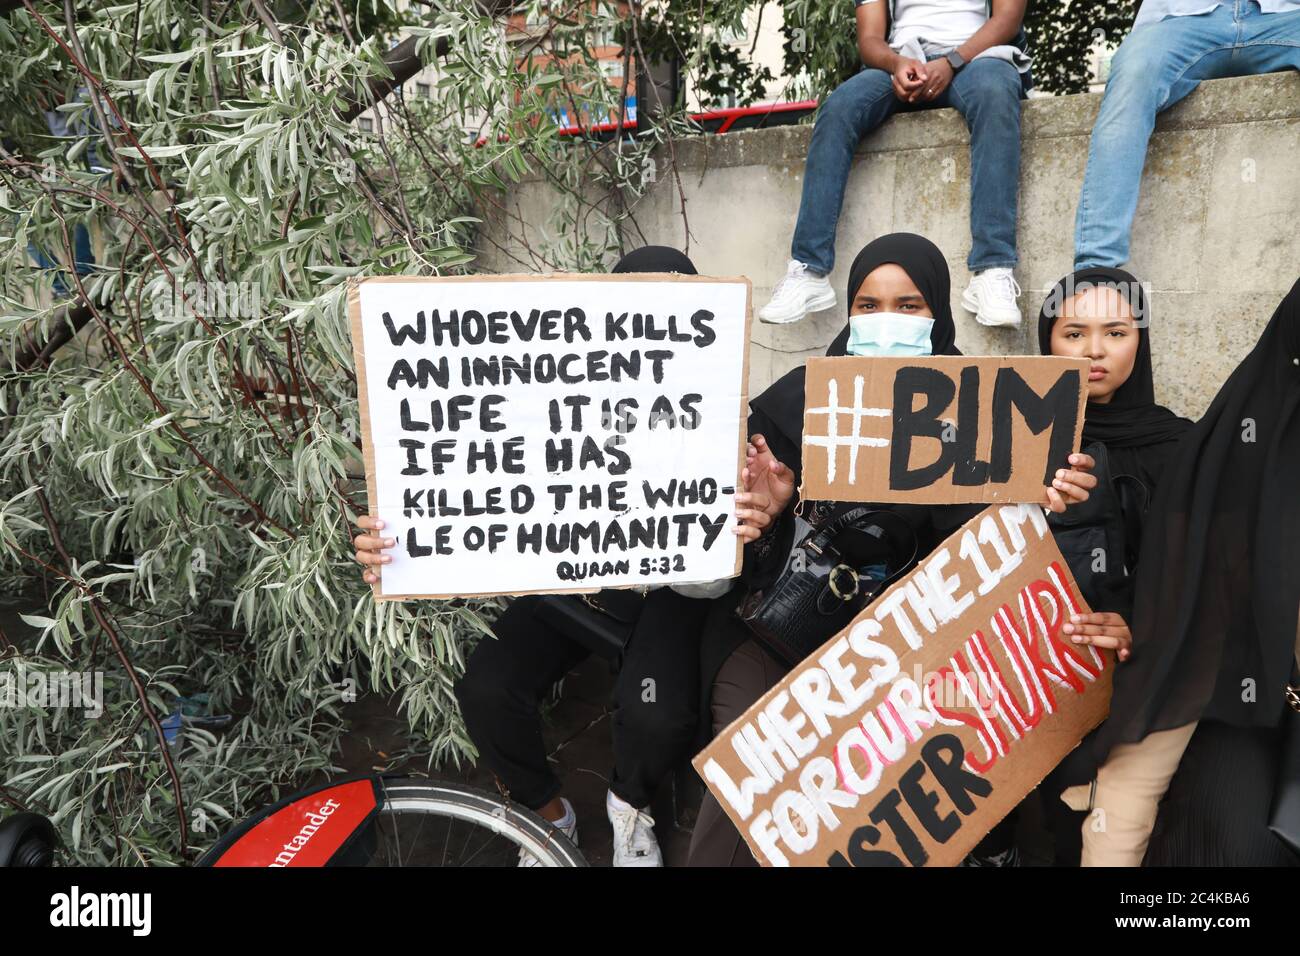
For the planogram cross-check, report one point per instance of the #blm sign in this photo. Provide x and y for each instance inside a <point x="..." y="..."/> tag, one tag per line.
<point x="939" y="430"/>
<point x="909" y="734"/>
<point x="526" y="434"/>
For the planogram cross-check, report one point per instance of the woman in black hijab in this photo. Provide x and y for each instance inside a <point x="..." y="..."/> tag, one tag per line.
<point x="1138" y="433"/>
<point x="1215" y="618"/>
<point x="736" y="669"/>
<point x="1103" y="315"/>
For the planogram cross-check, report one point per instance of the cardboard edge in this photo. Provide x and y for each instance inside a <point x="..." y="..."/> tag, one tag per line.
<point x="363" y="404"/>
<point x="744" y="413"/>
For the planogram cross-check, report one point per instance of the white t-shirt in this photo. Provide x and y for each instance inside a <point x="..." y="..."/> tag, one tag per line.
<point x="936" y="24"/>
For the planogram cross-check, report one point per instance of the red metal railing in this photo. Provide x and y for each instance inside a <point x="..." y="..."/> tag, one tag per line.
<point x="710" y="121"/>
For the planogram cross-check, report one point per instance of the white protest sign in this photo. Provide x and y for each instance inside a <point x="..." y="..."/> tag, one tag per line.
<point x="531" y="434"/>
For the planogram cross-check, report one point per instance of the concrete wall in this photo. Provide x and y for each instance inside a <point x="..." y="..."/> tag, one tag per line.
<point x="1215" y="236"/>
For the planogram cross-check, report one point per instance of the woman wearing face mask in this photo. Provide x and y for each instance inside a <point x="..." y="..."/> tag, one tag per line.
<point x="1102" y="315"/>
<point x="1214" y="639"/>
<point x="899" y="290"/>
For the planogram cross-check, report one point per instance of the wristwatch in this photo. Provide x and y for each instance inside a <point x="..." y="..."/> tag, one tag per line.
<point x="955" y="60"/>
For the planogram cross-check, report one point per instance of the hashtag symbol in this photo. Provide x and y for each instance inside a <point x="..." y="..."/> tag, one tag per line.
<point x="832" y="441"/>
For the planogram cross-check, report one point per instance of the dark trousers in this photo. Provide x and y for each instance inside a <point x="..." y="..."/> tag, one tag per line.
<point x="655" y="697"/>
<point x="746" y="676"/>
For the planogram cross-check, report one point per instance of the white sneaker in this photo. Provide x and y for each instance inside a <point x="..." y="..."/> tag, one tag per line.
<point x="567" y="825"/>
<point x="798" y="293"/>
<point x="991" y="296"/>
<point x="634" y="835"/>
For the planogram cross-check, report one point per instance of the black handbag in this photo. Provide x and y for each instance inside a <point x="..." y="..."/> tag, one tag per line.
<point x="1284" y="819"/>
<point x="831" y="574"/>
<point x="601" y="622"/>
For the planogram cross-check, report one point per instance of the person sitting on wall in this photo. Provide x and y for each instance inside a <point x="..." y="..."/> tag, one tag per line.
<point x="1174" y="45"/>
<point x="966" y="54"/>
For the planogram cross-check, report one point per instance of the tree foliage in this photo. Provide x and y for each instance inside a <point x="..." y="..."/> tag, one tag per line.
<point x="1062" y="35"/>
<point x="178" y="479"/>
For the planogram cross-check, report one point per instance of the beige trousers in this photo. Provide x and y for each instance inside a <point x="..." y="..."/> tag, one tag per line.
<point x="1129" y="787"/>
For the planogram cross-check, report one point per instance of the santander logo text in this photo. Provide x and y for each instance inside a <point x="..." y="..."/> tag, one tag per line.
<point x="314" y="822"/>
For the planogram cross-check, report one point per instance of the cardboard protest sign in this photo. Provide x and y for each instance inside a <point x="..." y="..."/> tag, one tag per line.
<point x="550" y="434"/>
<point x="907" y="736"/>
<point x="940" y="429"/>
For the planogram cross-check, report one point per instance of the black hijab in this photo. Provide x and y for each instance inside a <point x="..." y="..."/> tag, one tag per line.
<point x="655" y="259"/>
<point x="1138" y="433"/>
<point x="1218" y="584"/>
<point x="782" y="402"/>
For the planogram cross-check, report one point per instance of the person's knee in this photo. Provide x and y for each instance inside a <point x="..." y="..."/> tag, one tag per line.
<point x="992" y="85"/>
<point x="1135" y="70"/>
<point x="845" y="104"/>
<point x="835" y="111"/>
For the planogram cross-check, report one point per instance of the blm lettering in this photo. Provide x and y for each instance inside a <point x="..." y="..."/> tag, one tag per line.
<point x="940" y="430"/>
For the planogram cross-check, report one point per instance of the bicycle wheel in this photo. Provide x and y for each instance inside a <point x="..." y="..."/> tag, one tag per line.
<point x="427" y="823"/>
<point x="377" y="821"/>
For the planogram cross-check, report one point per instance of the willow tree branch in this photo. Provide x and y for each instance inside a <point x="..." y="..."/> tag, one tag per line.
<point x="69" y="320"/>
<point x="102" y="619"/>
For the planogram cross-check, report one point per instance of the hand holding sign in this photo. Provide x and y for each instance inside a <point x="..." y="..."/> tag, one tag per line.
<point x="369" y="548"/>
<point x="768" y="487"/>
<point x="1101" y="629"/>
<point x="1071" y="486"/>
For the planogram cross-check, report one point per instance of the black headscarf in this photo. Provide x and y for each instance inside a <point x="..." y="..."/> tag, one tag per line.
<point x="655" y="259"/>
<point x="1218" y="583"/>
<point x="782" y="402"/>
<point x="1138" y="433"/>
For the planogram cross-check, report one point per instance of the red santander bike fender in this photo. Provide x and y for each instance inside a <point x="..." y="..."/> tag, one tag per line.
<point x="306" y="829"/>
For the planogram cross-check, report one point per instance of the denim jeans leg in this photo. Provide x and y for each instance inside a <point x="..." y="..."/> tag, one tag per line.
<point x="1270" y="43"/>
<point x="1156" y="66"/>
<point x="857" y="106"/>
<point x="987" y="93"/>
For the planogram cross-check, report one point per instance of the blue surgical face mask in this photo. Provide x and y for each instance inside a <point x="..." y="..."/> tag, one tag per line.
<point x="889" y="333"/>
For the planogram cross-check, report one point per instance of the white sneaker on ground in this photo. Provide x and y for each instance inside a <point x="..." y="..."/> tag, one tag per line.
<point x="634" y="836"/>
<point x="567" y="824"/>
<point x="798" y="293"/>
<point x="991" y="296"/>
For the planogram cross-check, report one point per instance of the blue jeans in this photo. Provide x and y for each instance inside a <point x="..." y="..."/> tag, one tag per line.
<point x="1156" y="66"/>
<point x="986" y="92"/>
